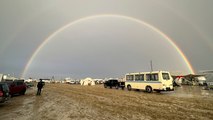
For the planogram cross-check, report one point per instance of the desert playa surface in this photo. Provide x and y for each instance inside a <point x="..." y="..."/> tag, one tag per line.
<point x="66" y="102"/>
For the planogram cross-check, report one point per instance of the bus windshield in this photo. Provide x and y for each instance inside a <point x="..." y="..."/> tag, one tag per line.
<point x="165" y="76"/>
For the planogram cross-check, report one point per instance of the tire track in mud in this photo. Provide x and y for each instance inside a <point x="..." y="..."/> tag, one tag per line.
<point x="124" y="104"/>
<point x="18" y="107"/>
<point x="100" y="102"/>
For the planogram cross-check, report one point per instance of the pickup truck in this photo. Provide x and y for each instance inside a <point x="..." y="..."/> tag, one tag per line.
<point x="17" y="87"/>
<point x="4" y="92"/>
<point x="114" y="83"/>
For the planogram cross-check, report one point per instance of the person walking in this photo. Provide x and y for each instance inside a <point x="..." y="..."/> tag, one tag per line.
<point x="40" y="86"/>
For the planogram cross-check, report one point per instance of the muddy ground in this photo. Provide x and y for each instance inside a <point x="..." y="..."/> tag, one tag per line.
<point x="74" y="102"/>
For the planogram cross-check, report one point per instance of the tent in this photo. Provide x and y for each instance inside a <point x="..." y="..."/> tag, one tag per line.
<point x="87" y="81"/>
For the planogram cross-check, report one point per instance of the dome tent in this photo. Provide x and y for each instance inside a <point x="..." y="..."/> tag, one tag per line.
<point x="87" y="81"/>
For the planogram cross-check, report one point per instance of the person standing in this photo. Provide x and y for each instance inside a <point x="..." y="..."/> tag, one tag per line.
<point x="40" y="86"/>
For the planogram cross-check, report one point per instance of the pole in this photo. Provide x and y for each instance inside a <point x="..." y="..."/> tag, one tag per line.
<point x="151" y="65"/>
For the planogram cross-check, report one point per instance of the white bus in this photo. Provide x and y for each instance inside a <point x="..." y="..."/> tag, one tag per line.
<point x="149" y="81"/>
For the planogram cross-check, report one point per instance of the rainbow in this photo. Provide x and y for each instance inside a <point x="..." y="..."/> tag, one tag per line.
<point x="186" y="61"/>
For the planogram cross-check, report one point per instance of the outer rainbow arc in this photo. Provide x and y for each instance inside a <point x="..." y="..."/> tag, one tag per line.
<point x="107" y="15"/>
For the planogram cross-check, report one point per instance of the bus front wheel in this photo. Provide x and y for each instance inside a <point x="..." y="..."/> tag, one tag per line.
<point x="129" y="87"/>
<point x="148" y="89"/>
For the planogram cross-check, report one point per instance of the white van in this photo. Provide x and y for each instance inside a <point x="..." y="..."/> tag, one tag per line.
<point x="149" y="81"/>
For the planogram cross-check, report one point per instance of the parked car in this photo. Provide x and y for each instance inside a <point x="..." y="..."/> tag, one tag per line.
<point x="4" y="92"/>
<point x="17" y="87"/>
<point x="114" y="83"/>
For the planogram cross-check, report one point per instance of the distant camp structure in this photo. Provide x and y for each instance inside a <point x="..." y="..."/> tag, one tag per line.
<point x="190" y="79"/>
<point x="7" y="77"/>
<point x="87" y="81"/>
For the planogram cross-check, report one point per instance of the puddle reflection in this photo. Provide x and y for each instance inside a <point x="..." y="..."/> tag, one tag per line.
<point x="191" y="91"/>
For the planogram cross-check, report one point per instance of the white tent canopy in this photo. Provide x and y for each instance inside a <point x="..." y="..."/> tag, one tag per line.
<point x="87" y="81"/>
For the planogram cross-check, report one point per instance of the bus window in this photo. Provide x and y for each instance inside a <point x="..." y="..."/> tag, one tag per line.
<point x="165" y="76"/>
<point x="139" y="77"/>
<point x="130" y="77"/>
<point x="148" y="77"/>
<point x="152" y="77"/>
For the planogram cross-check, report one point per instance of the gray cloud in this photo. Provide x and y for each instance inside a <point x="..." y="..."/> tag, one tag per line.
<point x="104" y="47"/>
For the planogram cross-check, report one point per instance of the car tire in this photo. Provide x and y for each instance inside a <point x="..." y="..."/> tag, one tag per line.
<point x="23" y="92"/>
<point x="122" y="88"/>
<point x="129" y="87"/>
<point x="148" y="89"/>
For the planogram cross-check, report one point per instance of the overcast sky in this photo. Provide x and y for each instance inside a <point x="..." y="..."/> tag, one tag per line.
<point x="104" y="46"/>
